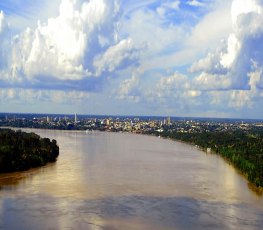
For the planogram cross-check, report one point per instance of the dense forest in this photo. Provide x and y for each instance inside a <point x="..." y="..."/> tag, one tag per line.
<point x="21" y="151"/>
<point x="243" y="149"/>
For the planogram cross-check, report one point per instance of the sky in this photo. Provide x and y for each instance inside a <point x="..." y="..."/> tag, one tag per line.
<point x="191" y="58"/>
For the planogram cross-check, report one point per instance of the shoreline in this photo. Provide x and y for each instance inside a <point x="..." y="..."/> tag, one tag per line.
<point x="256" y="189"/>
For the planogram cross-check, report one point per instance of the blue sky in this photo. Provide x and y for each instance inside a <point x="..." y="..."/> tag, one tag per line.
<point x="148" y="57"/>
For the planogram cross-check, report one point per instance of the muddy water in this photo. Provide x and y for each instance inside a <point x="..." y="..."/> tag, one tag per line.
<point x="124" y="181"/>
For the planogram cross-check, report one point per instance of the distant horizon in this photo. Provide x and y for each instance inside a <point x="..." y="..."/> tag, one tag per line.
<point x="118" y="115"/>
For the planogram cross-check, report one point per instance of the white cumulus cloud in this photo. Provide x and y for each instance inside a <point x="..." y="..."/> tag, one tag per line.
<point x="115" y="55"/>
<point x="62" y="48"/>
<point x="58" y="47"/>
<point x="243" y="47"/>
<point x="195" y="3"/>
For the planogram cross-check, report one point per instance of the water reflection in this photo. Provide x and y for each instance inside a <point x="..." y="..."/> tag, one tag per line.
<point x="125" y="181"/>
<point x="127" y="212"/>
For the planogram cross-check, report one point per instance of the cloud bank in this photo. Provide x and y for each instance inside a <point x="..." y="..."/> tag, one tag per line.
<point x="63" y="47"/>
<point x="165" y="57"/>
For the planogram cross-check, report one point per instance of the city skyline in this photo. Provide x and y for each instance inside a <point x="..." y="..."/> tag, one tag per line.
<point x="193" y="58"/>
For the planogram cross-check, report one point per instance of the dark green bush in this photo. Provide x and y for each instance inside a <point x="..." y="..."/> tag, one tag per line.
<point x="21" y="151"/>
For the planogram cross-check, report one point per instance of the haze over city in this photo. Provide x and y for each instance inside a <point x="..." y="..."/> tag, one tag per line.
<point x="173" y="58"/>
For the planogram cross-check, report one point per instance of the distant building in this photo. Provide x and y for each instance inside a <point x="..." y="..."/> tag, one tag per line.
<point x="107" y="122"/>
<point x="169" y="121"/>
<point x="76" y="119"/>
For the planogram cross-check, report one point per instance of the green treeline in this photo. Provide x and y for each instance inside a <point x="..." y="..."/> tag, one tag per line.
<point x="21" y="151"/>
<point x="243" y="149"/>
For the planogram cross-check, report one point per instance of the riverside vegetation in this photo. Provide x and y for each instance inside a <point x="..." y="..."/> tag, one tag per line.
<point x="21" y="151"/>
<point x="243" y="149"/>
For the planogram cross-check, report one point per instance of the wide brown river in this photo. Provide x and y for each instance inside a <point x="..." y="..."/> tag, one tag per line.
<point x="125" y="181"/>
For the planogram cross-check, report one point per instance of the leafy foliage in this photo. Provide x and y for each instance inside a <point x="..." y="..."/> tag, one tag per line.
<point x="21" y="151"/>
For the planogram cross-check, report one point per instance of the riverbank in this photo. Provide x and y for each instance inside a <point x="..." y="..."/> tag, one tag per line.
<point x="241" y="150"/>
<point x="251" y="185"/>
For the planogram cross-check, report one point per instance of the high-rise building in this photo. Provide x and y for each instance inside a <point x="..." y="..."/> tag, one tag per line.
<point x="76" y="119"/>
<point x="169" y="121"/>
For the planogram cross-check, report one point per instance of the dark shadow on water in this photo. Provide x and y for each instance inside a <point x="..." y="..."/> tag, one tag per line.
<point x="256" y="190"/>
<point x="10" y="181"/>
<point x="126" y="212"/>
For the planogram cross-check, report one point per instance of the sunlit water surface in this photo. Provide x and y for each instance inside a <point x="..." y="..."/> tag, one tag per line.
<point x="125" y="181"/>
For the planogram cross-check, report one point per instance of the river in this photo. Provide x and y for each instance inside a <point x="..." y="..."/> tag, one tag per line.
<point x="125" y="181"/>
